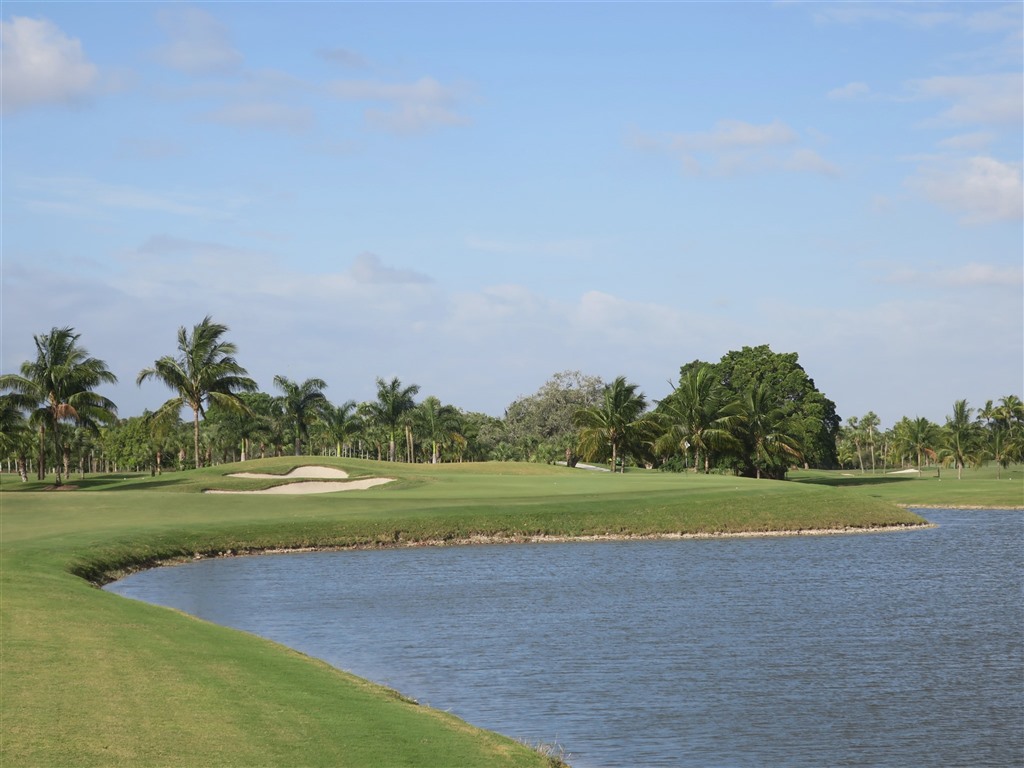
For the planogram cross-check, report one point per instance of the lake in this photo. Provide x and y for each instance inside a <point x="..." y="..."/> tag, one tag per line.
<point x="885" y="649"/>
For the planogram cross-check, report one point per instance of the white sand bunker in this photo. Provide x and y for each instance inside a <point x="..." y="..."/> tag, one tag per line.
<point x="315" y="487"/>
<point x="304" y="472"/>
<point x="329" y="486"/>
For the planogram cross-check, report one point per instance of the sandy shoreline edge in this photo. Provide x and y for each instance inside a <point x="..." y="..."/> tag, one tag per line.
<point x="551" y="539"/>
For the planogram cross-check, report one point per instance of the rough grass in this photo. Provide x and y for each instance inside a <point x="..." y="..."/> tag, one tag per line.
<point x="89" y="678"/>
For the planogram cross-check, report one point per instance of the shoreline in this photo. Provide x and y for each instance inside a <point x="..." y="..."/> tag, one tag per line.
<point x="511" y="539"/>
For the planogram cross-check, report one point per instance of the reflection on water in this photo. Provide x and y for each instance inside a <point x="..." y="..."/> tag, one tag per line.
<point x="897" y="649"/>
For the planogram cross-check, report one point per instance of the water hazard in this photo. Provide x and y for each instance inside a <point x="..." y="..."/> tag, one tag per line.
<point x="895" y="649"/>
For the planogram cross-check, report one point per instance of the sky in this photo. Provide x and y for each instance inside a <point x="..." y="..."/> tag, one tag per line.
<point x="475" y="196"/>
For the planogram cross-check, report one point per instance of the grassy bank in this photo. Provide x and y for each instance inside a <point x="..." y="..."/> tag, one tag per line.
<point x="89" y="678"/>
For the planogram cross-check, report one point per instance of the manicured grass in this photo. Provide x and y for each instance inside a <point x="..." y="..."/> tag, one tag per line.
<point x="89" y="678"/>
<point x="932" y="487"/>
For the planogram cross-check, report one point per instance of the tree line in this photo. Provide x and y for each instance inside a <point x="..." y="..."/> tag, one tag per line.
<point x="754" y="412"/>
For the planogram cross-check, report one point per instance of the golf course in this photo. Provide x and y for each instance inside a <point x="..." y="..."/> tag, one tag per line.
<point x="90" y="678"/>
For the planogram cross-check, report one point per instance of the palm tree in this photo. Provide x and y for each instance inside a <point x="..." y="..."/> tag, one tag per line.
<point x="853" y="429"/>
<point x="393" y="401"/>
<point x="204" y="372"/>
<point x="302" y="402"/>
<point x="960" y="436"/>
<point x="869" y="424"/>
<point x="15" y="433"/>
<point x="697" y="416"/>
<point x="769" y="434"/>
<point x="619" y="422"/>
<point x="917" y="437"/>
<point x="340" y="423"/>
<point x="59" y="384"/>
<point x="438" y="423"/>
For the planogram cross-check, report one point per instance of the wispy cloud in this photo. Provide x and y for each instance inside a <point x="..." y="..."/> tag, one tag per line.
<point x="986" y="99"/>
<point x="270" y="115"/>
<point x="39" y="65"/>
<point x="409" y="107"/>
<point x="90" y="198"/>
<point x="738" y="147"/>
<point x="979" y="189"/>
<point x="369" y="268"/>
<point x="972" y="274"/>
<point x="198" y="44"/>
<point x="344" y="57"/>
<point x="849" y="92"/>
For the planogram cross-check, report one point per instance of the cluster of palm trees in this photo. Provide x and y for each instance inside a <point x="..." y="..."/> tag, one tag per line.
<point x="969" y="438"/>
<point x="52" y="413"/>
<point x="701" y="424"/>
<point x="54" y="398"/>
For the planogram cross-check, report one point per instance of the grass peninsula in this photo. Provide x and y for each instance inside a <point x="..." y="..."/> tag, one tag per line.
<point x="89" y="678"/>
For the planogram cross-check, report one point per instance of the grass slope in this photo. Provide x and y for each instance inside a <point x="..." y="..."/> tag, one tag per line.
<point x="89" y="678"/>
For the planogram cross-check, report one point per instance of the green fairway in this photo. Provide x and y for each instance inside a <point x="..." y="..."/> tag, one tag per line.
<point x="978" y="487"/>
<point x="89" y="678"/>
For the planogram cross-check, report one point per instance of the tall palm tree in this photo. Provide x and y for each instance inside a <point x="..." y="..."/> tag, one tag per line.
<point x="393" y="402"/>
<point x="340" y="423"/>
<point x="619" y="423"/>
<point x="770" y="435"/>
<point x="918" y="437"/>
<point x="302" y="402"/>
<point x="438" y="423"/>
<point x="960" y="436"/>
<point x="697" y="416"/>
<point x="869" y="424"/>
<point x="60" y="384"/>
<point x="204" y="372"/>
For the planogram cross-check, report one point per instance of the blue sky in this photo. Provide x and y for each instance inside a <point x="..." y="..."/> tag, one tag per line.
<point x="474" y="196"/>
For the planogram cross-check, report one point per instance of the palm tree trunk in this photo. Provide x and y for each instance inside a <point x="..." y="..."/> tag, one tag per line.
<point x="41" y="464"/>
<point x="195" y="433"/>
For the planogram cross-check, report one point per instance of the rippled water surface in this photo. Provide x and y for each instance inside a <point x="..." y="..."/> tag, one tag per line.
<point x="895" y="649"/>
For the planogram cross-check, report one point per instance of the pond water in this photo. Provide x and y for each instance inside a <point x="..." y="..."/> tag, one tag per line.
<point x="894" y="649"/>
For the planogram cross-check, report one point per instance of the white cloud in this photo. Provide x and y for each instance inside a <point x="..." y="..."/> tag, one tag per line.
<point x="344" y="57"/>
<point x="849" y="91"/>
<point x="198" y="43"/>
<point x="988" y="99"/>
<point x="368" y="268"/>
<point x="975" y="141"/>
<point x="971" y="274"/>
<point x="735" y="134"/>
<point x="39" y="64"/>
<point x="979" y="189"/>
<point x="90" y="198"/>
<point x="263" y="115"/>
<point x="411" y="107"/>
<point x="736" y="147"/>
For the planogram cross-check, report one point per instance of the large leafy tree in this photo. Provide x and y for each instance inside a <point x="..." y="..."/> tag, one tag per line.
<point x="391" y="408"/>
<point x="812" y="415"/>
<point x="59" y="385"/>
<point x="204" y="372"/>
<point x="302" y="404"/>
<point x="540" y="427"/>
<point x="617" y="426"/>
<point x="699" y="417"/>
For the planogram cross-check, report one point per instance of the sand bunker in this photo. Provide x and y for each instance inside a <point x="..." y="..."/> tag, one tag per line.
<point x="317" y="487"/>
<point x="311" y="473"/>
<point x="303" y="472"/>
